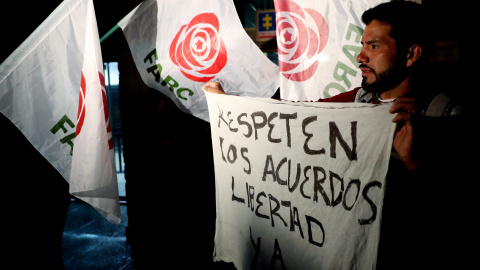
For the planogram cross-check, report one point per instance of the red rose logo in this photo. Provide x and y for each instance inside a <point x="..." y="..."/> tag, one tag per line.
<point x="81" y="108"/>
<point x="198" y="50"/>
<point x="105" y="110"/>
<point x="298" y="43"/>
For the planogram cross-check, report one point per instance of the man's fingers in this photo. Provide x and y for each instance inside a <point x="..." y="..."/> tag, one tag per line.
<point x="402" y="117"/>
<point x="209" y="85"/>
<point x="403" y="104"/>
<point x="213" y="87"/>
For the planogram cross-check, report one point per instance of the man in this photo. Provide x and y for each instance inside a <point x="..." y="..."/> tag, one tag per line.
<point x="387" y="66"/>
<point x="395" y="46"/>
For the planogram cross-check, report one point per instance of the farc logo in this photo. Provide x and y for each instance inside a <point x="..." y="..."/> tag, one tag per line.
<point x="301" y="35"/>
<point x="198" y="49"/>
<point x="82" y="108"/>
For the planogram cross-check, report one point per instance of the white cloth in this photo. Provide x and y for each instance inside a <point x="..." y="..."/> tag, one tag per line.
<point x="318" y="43"/>
<point x="40" y="86"/>
<point x="177" y="46"/>
<point x="298" y="184"/>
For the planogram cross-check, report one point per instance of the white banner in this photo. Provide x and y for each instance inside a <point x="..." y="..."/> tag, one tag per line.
<point x="298" y="185"/>
<point x="177" y="46"/>
<point x="40" y="86"/>
<point x="318" y="43"/>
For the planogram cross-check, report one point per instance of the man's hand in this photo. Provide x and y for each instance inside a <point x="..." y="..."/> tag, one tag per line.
<point x="403" y="141"/>
<point x="213" y="87"/>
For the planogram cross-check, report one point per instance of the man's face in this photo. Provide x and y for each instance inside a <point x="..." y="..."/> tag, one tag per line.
<point x="381" y="67"/>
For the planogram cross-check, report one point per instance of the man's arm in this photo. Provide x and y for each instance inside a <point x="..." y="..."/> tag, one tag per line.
<point x="421" y="139"/>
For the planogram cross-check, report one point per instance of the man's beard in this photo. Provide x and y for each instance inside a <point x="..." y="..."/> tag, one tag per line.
<point x="387" y="79"/>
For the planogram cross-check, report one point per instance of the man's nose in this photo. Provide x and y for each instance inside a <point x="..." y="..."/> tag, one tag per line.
<point x="361" y="57"/>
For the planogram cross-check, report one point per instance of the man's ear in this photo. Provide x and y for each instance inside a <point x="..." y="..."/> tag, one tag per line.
<point x="414" y="54"/>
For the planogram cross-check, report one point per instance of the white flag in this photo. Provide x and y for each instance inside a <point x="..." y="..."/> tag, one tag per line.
<point x="177" y="46"/>
<point x="318" y="43"/>
<point x="52" y="89"/>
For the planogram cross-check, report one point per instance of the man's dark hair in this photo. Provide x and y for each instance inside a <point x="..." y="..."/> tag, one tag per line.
<point x="409" y="24"/>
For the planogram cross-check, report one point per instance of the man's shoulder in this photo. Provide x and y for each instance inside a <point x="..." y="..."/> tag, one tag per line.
<point x="349" y="96"/>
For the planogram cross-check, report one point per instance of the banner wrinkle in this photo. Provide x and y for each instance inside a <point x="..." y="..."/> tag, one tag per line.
<point x="307" y="178"/>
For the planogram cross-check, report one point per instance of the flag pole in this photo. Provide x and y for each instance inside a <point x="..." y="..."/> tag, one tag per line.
<point x="116" y="26"/>
<point x="109" y="33"/>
